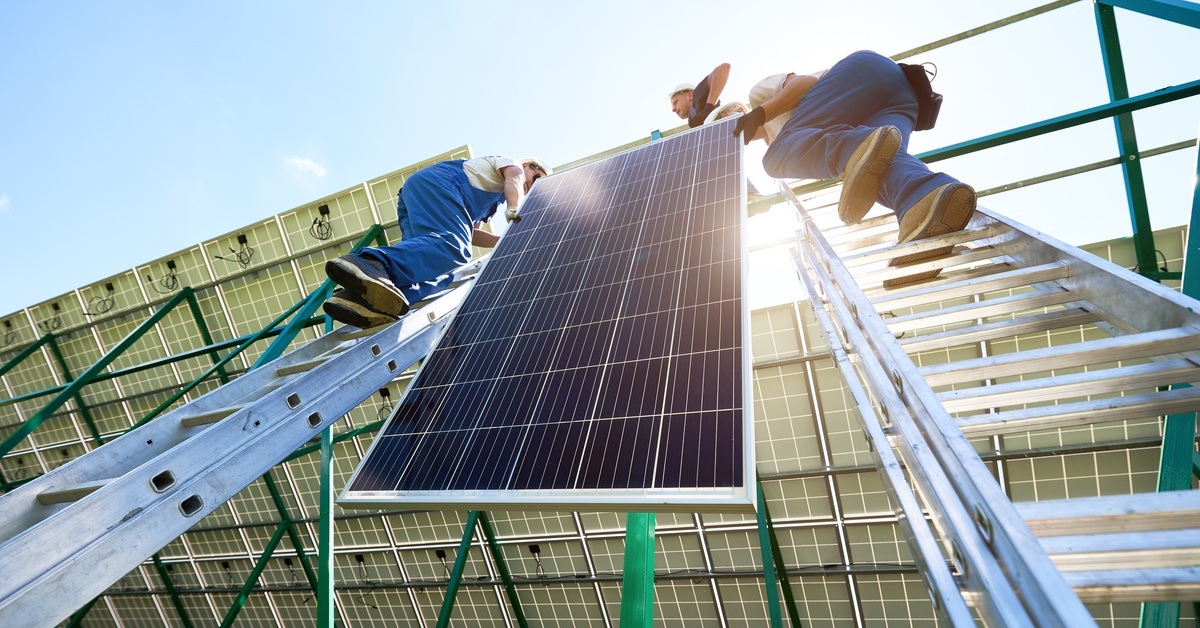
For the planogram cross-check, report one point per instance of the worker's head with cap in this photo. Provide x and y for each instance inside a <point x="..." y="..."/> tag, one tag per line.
<point x="680" y="100"/>
<point x="534" y="170"/>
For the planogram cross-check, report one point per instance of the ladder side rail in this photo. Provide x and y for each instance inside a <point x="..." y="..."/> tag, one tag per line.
<point x="1102" y="283"/>
<point x="948" y="603"/>
<point x="109" y="550"/>
<point x="1047" y="597"/>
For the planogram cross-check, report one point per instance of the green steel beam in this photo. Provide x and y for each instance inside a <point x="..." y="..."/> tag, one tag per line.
<point x="1191" y="255"/>
<point x="325" y="596"/>
<point x="25" y="353"/>
<point x="293" y="536"/>
<point x="77" y="619"/>
<point x="460" y="563"/>
<point x="979" y="30"/>
<point x="1177" y="11"/>
<point x="768" y="559"/>
<point x="194" y="306"/>
<point x="1131" y="167"/>
<point x="67" y="377"/>
<point x="777" y="556"/>
<point x="489" y="535"/>
<point x="33" y="422"/>
<point x="165" y="576"/>
<point x="255" y="573"/>
<point x="637" y="582"/>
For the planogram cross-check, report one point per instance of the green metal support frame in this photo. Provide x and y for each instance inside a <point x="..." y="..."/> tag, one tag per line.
<point x="67" y="377"/>
<point x="460" y="563"/>
<point x="773" y="564"/>
<point x="637" y="581"/>
<point x="259" y="566"/>
<point x="168" y="582"/>
<point x="325" y="595"/>
<point x="489" y="535"/>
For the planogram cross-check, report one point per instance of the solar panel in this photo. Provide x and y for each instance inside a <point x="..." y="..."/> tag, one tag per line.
<point x="601" y="358"/>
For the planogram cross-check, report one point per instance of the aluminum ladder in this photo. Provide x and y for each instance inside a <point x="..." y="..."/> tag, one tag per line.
<point x="934" y="363"/>
<point x="68" y="535"/>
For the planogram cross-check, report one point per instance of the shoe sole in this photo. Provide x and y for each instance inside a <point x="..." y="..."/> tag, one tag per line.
<point x="861" y="182"/>
<point x="383" y="296"/>
<point x="351" y="313"/>
<point x="951" y="212"/>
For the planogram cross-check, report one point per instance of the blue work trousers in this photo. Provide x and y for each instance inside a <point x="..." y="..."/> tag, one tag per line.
<point x="438" y="210"/>
<point x="860" y="93"/>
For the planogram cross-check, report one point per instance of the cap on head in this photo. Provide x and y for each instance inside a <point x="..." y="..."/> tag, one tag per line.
<point x="682" y="87"/>
<point x="538" y="165"/>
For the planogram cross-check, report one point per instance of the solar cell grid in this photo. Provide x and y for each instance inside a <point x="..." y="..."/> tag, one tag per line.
<point x="599" y="359"/>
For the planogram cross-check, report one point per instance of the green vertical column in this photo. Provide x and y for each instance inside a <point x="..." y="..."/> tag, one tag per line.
<point x="637" y="583"/>
<point x="769" y="542"/>
<point x="325" y="599"/>
<point x="1176" y="459"/>
<point x="460" y="563"/>
<point x="165" y="576"/>
<point x="768" y="559"/>
<point x="489" y="535"/>
<point x="194" y="306"/>
<point x="1135" y="185"/>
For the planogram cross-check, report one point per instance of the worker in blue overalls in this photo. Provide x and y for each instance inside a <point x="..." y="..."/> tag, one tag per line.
<point x="854" y="120"/>
<point x="440" y="208"/>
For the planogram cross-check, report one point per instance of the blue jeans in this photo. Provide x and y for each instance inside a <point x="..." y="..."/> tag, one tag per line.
<point x="438" y="210"/>
<point x="858" y="94"/>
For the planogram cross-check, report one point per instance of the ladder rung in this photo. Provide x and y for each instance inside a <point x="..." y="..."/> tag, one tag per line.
<point x="983" y="309"/>
<point x="841" y="231"/>
<point x="212" y="416"/>
<point x="1139" y="512"/>
<point x="301" y="367"/>
<point x="958" y="257"/>
<point x="1000" y="329"/>
<point x="1083" y="412"/>
<point x="1176" y="584"/>
<point x="872" y="239"/>
<point x="1124" y="550"/>
<point x="918" y="246"/>
<point x="1099" y="382"/>
<point x="1133" y="346"/>
<point x="1016" y="278"/>
<point x="946" y="278"/>
<point x="71" y="493"/>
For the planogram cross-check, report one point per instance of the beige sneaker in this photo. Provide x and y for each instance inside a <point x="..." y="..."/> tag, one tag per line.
<point x="944" y="210"/>
<point x="864" y="172"/>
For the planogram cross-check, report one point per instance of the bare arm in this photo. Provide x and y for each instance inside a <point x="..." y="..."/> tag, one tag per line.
<point x="514" y="185"/>
<point x="794" y="88"/>
<point x="716" y="83"/>
<point x="479" y="237"/>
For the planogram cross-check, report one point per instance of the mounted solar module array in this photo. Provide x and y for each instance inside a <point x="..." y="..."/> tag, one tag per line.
<point x="600" y="359"/>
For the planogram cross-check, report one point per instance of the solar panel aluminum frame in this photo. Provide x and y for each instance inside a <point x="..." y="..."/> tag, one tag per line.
<point x="678" y="499"/>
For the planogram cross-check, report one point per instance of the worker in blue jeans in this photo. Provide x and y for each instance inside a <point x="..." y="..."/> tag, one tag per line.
<point x="854" y="120"/>
<point x="440" y="209"/>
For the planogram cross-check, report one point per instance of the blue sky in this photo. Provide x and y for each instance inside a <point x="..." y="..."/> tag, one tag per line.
<point x="130" y="130"/>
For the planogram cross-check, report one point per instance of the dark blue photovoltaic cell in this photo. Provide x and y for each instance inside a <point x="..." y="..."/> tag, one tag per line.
<point x="600" y="348"/>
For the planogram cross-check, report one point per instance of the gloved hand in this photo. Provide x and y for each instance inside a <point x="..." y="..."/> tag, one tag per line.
<point x="701" y="115"/>
<point x="748" y="125"/>
<point x="511" y="215"/>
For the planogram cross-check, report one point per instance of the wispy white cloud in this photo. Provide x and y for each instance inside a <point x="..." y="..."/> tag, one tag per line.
<point x="5" y="204"/>
<point x="306" y="165"/>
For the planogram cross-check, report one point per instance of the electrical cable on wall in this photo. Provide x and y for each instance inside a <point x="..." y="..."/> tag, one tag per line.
<point x="169" y="282"/>
<point x="98" y="304"/>
<point x="10" y="335"/>
<point x="320" y="228"/>
<point x="241" y="256"/>
<point x="386" y="409"/>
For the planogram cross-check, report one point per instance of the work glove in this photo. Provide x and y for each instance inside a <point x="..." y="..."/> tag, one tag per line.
<point x="511" y="215"/>
<point x="701" y="115"/>
<point x="748" y="125"/>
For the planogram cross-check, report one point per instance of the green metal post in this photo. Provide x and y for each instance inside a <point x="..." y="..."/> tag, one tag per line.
<point x="489" y="535"/>
<point x="83" y="409"/>
<point x="25" y="353"/>
<point x="77" y="618"/>
<point x="768" y="559"/>
<point x="1176" y="459"/>
<point x="460" y="563"/>
<point x="259" y="566"/>
<point x="1135" y="184"/>
<point x="294" y="536"/>
<point x="194" y="306"/>
<point x="637" y="582"/>
<point x="30" y="425"/>
<point x="777" y="555"/>
<point x="325" y="605"/>
<point x="170" y="584"/>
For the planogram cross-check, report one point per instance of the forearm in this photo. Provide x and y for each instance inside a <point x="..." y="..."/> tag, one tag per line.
<point x="487" y="240"/>
<point x="716" y="83"/>
<point x="786" y="100"/>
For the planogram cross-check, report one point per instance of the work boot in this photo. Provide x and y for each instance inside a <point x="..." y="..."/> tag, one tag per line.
<point x="864" y="172"/>
<point x="367" y="278"/>
<point x="944" y="210"/>
<point x="351" y="308"/>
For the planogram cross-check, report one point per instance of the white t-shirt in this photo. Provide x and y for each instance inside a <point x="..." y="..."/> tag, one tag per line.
<point x="484" y="173"/>
<point x="765" y="90"/>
